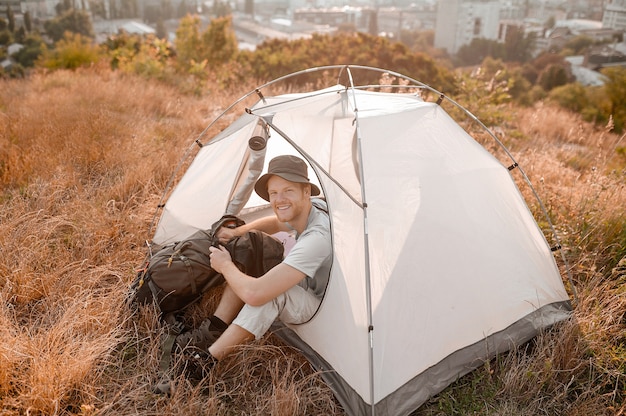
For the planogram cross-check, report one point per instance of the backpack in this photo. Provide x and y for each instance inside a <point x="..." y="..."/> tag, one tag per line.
<point x="179" y="274"/>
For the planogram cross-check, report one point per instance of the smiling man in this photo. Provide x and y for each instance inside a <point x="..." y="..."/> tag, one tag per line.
<point x="291" y="291"/>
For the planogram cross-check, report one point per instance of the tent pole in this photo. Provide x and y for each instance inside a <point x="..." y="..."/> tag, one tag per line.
<point x="368" y="284"/>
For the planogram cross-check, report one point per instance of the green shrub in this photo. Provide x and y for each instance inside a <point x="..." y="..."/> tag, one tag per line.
<point x="147" y="56"/>
<point x="71" y="52"/>
<point x="570" y="96"/>
<point x="34" y="46"/>
<point x="615" y="90"/>
<point x="553" y="76"/>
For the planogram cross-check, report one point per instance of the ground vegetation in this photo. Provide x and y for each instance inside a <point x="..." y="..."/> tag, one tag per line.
<point x="80" y="182"/>
<point x="90" y="134"/>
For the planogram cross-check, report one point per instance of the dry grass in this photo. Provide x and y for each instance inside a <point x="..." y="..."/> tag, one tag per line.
<point x="84" y="158"/>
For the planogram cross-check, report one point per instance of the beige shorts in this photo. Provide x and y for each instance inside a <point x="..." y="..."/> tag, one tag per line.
<point x="295" y="306"/>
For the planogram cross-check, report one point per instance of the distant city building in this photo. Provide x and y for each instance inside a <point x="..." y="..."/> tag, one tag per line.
<point x="387" y="21"/>
<point x="461" y="21"/>
<point x="262" y="7"/>
<point x="361" y="18"/>
<point x="603" y="56"/>
<point x="392" y="20"/>
<point x="615" y="15"/>
<point x="127" y="25"/>
<point x="13" y="4"/>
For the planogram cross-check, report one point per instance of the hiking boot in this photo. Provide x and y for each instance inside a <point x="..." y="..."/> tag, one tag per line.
<point x="197" y="365"/>
<point x="200" y="338"/>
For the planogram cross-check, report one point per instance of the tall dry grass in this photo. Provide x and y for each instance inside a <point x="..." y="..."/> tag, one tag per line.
<point x="84" y="158"/>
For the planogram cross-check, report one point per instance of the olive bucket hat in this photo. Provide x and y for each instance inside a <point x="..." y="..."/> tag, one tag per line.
<point x="288" y="167"/>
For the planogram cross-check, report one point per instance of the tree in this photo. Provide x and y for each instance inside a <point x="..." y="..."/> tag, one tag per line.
<point x="546" y="59"/>
<point x="20" y="35"/>
<point x="161" y="30"/>
<point x="183" y="9"/>
<point x="221" y="9"/>
<point x="74" y="21"/>
<point x="478" y="50"/>
<point x="217" y="45"/>
<point x="10" y="19"/>
<point x="121" y="49"/>
<point x="28" y="25"/>
<point x="70" y="52"/>
<point x="6" y="37"/>
<point x="417" y="40"/>
<point x="148" y="55"/>
<point x="530" y="72"/>
<point x="592" y="102"/>
<point x="579" y="43"/>
<point x="219" y="42"/>
<point x="187" y="41"/>
<point x="518" y="46"/>
<point x="34" y="47"/>
<point x="63" y="7"/>
<point x="346" y="27"/>
<point x="16" y="71"/>
<point x="553" y="76"/>
<point x="98" y="8"/>
<point x="129" y="8"/>
<point x="571" y="96"/>
<point x="278" y="57"/>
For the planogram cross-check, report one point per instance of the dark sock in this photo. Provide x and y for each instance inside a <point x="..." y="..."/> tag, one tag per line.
<point x="217" y="324"/>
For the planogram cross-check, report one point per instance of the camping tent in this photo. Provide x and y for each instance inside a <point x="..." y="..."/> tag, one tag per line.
<point x="438" y="262"/>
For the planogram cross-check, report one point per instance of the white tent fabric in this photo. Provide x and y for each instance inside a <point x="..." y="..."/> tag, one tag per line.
<point x="438" y="262"/>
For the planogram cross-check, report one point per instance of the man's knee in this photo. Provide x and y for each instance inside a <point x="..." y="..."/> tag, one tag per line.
<point x="257" y="319"/>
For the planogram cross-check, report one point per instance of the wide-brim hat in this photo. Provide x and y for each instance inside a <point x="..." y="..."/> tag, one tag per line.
<point x="288" y="167"/>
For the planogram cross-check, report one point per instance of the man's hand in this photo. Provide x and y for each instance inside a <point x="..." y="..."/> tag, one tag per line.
<point x="225" y="234"/>
<point x="220" y="258"/>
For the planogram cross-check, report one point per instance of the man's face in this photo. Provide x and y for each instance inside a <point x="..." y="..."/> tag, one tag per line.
<point x="288" y="199"/>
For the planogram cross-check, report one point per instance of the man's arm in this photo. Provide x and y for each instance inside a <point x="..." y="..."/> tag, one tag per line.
<point x="269" y="225"/>
<point x="254" y="291"/>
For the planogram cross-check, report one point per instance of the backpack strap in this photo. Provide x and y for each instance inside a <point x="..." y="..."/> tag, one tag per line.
<point x="173" y="326"/>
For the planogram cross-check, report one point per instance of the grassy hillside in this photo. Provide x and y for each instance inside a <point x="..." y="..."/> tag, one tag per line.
<point x="84" y="158"/>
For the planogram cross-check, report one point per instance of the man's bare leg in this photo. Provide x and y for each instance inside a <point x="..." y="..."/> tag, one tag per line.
<point x="229" y="306"/>
<point x="232" y="337"/>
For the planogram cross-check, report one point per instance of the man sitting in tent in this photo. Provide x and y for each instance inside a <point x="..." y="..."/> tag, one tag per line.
<point x="291" y="291"/>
